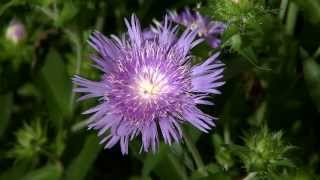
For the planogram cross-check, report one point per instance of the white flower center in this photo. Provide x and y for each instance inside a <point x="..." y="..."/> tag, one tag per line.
<point x="151" y="83"/>
<point x="147" y="89"/>
<point x="194" y="25"/>
<point x="201" y="31"/>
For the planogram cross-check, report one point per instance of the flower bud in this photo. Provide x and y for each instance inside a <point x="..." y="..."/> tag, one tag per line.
<point x="16" y="31"/>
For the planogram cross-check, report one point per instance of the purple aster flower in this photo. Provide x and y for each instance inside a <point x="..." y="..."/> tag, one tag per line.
<point x="149" y="86"/>
<point x="16" y="31"/>
<point x="208" y="29"/>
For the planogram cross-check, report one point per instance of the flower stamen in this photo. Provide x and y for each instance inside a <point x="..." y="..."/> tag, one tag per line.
<point x="148" y="89"/>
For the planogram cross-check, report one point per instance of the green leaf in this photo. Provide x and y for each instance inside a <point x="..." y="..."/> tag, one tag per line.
<point x="311" y="70"/>
<point x="291" y="18"/>
<point x="58" y="145"/>
<point x="68" y="12"/>
<point x="217" y="176"/>
<point x="258" y="117"/>
<point x="311" y="8"/>
<point x="56" y="86"/>
<point x="5" y="111"/>
<point x="171" y="168"/>
<point x="164" y="164"/>
<point x="139" y="178"/>
<point x="194" y="133"/>
<point x="222" y="154"/>
<point x="151" y="160"/>
<point x="251" y="176"/>
<point x="15" y="172"/>
<point x="31" y="139"/>
<point x="7" y="5"/>
<point x="212" y="169"/>
<point x="215" y="172"/>
<point x="241" y="151"/>
<point x="247" y="52"/>
<point x="49" y="172"/>
<point x="236" y="42"/>
<point x="81" y="165"/>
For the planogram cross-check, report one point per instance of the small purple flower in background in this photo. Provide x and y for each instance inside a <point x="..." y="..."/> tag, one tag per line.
<point x="208" y="29"/>
<point x="16" y="31"/>
<point x="149" y="85"/>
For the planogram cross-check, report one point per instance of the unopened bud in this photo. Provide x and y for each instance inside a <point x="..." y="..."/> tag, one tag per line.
<point x="16" y="31"/>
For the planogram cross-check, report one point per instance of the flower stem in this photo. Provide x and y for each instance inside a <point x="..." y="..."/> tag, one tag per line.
<point x="6" y="6"/>
<point x="283" y="8"/>
<point x="77" y="47"/>
<point x="178" y="167"/>
<point x="195" y="153"/>
<point x="291" y="18"/>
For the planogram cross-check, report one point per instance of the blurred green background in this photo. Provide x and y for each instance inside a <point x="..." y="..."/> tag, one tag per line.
<point x="268" y="113"/>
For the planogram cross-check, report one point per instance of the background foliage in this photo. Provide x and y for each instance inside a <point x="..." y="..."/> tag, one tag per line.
<point x="268" y="113"/>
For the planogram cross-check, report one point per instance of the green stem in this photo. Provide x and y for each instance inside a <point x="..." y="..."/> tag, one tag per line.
<point x="226" y="134"/>
<point x="195" y="153"/>
<point x="317" y="53"/>
<point x="77" y="47"/>
<point x="6" y="6"/>
<point x="252" y="62"/>
<point x="101" y="17"/>
<point x="178" y="167"/>
<point x="74" y="38"/>
<point x="79" y="126"/>
<point x="283" y="8"/>
<point x="50" y="155"/>
<point x="291" y="18"/>
<point x="47" y="12"/>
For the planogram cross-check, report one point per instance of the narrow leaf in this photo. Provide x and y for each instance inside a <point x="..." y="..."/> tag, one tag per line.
<point x="311" y="71"/>
<point x="56" y="86"/>
<point x="81" y="165"/>
<point x="49" y="172"/>
<point x="5" y="111"/>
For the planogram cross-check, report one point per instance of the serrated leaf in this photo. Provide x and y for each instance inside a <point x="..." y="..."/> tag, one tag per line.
<point x="239" y="150"/>
<point x="222" y="154"/>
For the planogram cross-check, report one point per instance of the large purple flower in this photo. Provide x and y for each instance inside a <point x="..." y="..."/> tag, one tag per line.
<point x="148" y="86"/>
<point x="208" y="29"/>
